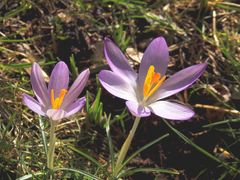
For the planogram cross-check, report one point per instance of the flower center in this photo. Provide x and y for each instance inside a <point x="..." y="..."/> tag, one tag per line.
<point x="56" y="103"/>
<point x="152" y="82"/>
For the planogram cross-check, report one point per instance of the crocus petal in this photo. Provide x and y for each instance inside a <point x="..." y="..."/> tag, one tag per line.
<point x="59" y="78"/>
<point x="33" y="104"/>
<point x="179" y="81"/>
<point x="170" y="110"/>
<point x="157" y="55"/>
<point x="138" y="110"/>
<point x="117" y="61"/>
<point x="118" y="87"/>
<point x="75" y="107"/>
<point x="56" y="114"/>
<point x="39" y="85"/>
<point x="76" y="88"/>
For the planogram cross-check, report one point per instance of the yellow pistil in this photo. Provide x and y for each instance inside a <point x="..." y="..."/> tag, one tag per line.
<point x="56" y="103"/>
<point x="152" y="82"/>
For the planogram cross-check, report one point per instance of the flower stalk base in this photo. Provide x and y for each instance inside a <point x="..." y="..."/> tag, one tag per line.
<point x="51" y="147"/>
<point x="125" y="147"/>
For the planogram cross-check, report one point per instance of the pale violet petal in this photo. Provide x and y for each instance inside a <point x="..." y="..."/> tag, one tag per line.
<point x="76" y="88"/>
<point x="179" y="81"/>
<point x="32" y="104"/>
<point x="56" y="114"/>
<point x="117" y="61"/>
<point x="170" y="110"/>
<point x="75" y="107"/>
<point x="157" y="55"/>
<point x="59" y="78"/>
<point x="39" y="85"/>
<point x="115" y="85"/>
<point x="138" y="110"/>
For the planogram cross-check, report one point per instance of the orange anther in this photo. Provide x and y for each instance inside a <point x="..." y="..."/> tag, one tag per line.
<point x="152" y="82"/>
<point x="156" y="77"/>
<point x="56" y="103"/>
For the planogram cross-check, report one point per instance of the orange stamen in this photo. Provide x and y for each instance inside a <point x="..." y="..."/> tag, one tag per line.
<point x="157" y="86"/>
<point x="148" y="79"/>
<point x="56" y="103"/>
<point x="156" y="77"/>
<point x="152" y="82"/>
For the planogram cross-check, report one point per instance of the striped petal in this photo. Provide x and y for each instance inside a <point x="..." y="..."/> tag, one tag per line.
<point x="156" y="55"/>
<point x="115" y="85"/>
<point x="75" y="107"/>
<point x="32" y="104"/>
<point x="59" y="78"/>
<point x="39" y="85"/>
<point x="179" y="81"/>
<point x="117" y="61"/>
<point x="76" y="88"/>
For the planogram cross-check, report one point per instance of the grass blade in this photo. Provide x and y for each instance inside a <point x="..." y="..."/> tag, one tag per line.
<point x="201" y="150"/>
<point x="156" y="170"/>
<point x="142" y="149"/>
<point x="28" y="176"/>
<point x="41" y="125"/>
<point x="87" y="156"/>
<point x="27" y="65"/>
<point x="222" y="122"/>
<point x="73" y="66"/>
<point x="111" y="151"/>
<point x="79" y="172"/>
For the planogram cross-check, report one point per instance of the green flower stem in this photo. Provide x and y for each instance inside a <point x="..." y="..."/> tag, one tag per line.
<point x="125" y="147"/>
<point x="51" y="146"/>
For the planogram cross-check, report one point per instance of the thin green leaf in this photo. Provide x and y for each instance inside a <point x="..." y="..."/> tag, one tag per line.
<point x="87" y="156"/>
<point x="78" y="171"/>
<point x="229" y="6"/>
<point x="73" y="67"/>
<point x="142" y="149"/>
<point x="41" y="125"/>
<point x="95" y="112"/>
<point x="28" y="176"/>
<point x="23" y="7"/>
<point x="156" y="170"/>
<point x="27" y="65"/>
<point x="201" y="150"/>
<point x="87" y="102"/>
<point x="4" y="40"/>
<point x="111" y="151"/>
<point x="222" y="122"/>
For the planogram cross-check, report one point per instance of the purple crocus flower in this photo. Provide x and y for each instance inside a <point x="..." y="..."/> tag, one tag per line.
<point x="56" y="101"/>
<point x="146" y="90"/>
